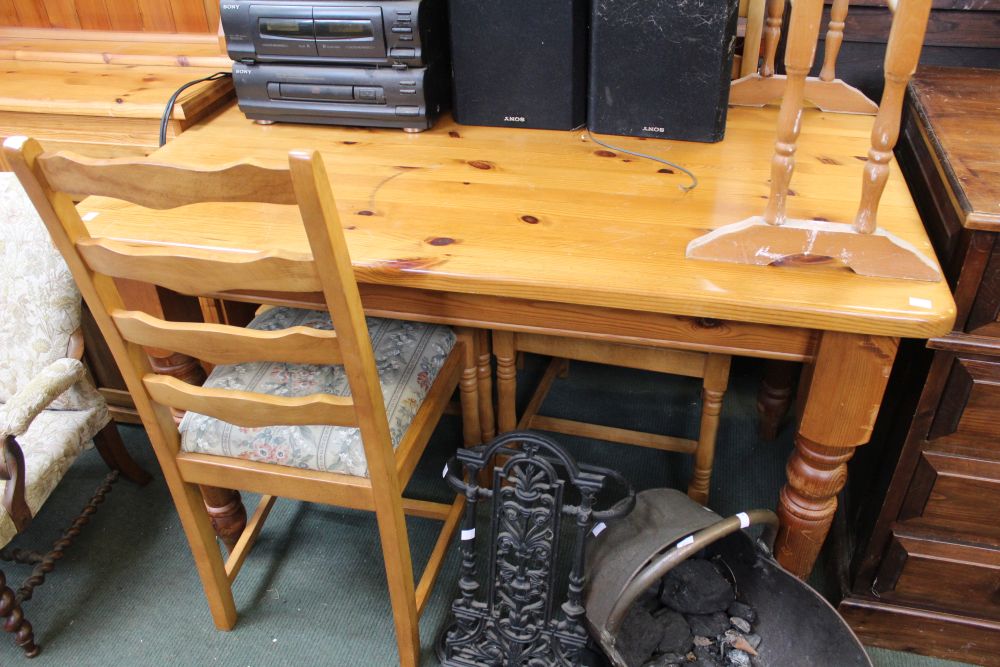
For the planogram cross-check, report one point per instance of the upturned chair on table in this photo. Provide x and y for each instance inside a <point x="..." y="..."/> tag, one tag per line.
<point x="292" y="408"/>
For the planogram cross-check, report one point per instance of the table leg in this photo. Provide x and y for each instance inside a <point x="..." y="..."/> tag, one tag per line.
<point x="774" y="396"/>
<point x="844" y="395"/>
<point x="225" y="506"/>
<point x="484" y="369"/>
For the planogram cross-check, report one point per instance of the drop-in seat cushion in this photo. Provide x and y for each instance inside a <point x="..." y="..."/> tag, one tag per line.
<point x="408" y="356"/>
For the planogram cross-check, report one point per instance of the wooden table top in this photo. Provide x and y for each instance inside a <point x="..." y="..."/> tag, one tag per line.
<point x="550" y="216"/>
<point x="960" y="112"/>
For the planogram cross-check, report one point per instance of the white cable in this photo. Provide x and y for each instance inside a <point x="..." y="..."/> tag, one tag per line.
<point x="685" y="188"/>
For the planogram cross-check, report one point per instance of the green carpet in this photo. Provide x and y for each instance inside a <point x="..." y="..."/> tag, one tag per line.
<point x="313" y="590"/>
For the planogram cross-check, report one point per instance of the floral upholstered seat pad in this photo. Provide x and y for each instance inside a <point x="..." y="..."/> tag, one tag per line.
<point x="408" y="356"/>
<point x="53" y="442"/>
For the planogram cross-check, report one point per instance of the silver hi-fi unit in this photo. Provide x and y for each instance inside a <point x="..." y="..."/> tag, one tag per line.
<point x="374" y="63"/>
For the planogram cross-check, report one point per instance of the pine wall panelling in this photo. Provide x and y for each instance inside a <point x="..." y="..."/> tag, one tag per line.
<point x="127" y="15"/>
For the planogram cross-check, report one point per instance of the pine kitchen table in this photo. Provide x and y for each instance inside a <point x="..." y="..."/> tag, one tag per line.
<point x="543" y="231"/>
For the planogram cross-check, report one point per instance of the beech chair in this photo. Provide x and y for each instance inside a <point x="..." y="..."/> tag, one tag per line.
<point x="759" y="87"/>
<point x="292" y="408"/>
<point x="713" y="369"/>
<point x="50" y="412"/>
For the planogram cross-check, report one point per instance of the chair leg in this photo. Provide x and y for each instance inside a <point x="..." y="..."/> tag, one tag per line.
<point x="207" y="557"/>
<point x="14" y="621"/>
<point x="472" y="431"/>
<point x="503" y="348"/>
<point x="714" y="388"/>
<point x="484" y="364"/>
<point x="111" y="448"/>
<point x="399" y="574"/>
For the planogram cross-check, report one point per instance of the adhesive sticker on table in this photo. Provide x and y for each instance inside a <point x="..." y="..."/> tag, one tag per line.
<point x="744" y="519"/>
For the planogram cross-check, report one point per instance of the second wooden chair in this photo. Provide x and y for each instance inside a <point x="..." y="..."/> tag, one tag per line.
<point x="713" y="369"/>
<point x="292" y="409"/>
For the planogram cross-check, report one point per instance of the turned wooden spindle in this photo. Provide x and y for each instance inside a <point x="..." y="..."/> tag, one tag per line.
<point x="772" y="33"/>
<point x="799" y="53"/>
<point x="902" y="53"/>
<point x="834" y="38"/>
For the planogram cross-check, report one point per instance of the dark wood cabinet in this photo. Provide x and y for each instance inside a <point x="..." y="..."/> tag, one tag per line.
<point x="927" y="576"/>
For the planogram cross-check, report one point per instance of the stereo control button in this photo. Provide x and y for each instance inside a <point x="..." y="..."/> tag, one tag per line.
<point x="365" y="93"/>
<point x="402" y="29"/>
<point x="407" y="91"/>
<point x="402" y="53"/>
<point x="407" y="111"/>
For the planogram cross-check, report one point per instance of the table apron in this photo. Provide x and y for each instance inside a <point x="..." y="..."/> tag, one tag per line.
<point x="567" y="319"/>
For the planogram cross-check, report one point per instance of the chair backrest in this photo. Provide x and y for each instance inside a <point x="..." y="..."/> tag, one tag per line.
<point x="53" y="179"/>
<point x="39" y="301"/>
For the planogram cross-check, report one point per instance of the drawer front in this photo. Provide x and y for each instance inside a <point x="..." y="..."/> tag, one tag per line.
<point x="940" y="575"/>
<point x="967" y="419"/>
<point x="957" y="494"/>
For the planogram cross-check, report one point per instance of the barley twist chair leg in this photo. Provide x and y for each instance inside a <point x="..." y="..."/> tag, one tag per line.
<point x="14" y="621"/>
<point x="48" y="561"/>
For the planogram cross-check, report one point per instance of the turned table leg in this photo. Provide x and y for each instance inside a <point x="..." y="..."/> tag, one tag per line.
<point x="775" y="396"/>
<point x="845" y="392"/>
<point x="225" y="506"/>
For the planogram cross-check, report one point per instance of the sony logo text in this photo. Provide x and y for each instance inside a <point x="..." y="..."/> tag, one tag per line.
<point x="513" y="119"/>
<point x="653" y="128"/>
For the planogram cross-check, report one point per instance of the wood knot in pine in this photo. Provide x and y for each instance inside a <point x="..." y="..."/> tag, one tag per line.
<point x="708" y="323"/>
<point x="603" y="153"/>
<point x="348" y="143"/>
<point x="119" y="100"/>
<point x="530" y="219"/>
<point x="480" y="164"/>
<point x="665" y="170"/>
<point x="439" y="240"/>
<point x="366" y="212"/>
<point x="454" y="135"/>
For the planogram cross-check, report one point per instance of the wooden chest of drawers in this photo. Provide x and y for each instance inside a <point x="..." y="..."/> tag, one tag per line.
<point x="928" y="579"/>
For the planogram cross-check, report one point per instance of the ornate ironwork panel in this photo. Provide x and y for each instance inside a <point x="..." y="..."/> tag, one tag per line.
<point x="515" y="622"/>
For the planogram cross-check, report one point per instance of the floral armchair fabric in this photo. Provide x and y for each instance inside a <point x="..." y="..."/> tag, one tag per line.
<point x="46" y="400"/>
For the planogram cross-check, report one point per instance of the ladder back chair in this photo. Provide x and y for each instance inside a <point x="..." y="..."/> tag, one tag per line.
<point x="713" y="369"/>
<point x="289" y="410"/>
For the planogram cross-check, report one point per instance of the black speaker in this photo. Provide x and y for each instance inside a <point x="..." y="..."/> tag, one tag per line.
<point x="519" y="63"/>
<point x="661" y="68"/>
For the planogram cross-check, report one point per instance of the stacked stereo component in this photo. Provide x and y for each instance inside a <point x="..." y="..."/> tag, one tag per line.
<point x="373" y="63"/>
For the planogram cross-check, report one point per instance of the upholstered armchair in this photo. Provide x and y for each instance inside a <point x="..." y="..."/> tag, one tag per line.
<point x="50" y="411"/>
